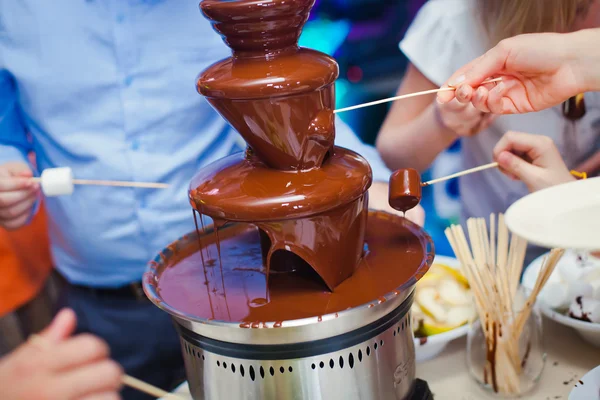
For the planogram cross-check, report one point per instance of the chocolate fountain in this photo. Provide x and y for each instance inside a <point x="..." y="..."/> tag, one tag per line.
<point x="296" y="291"/>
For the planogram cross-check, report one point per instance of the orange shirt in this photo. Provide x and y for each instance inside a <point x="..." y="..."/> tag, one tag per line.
<point x="25" y="263"/>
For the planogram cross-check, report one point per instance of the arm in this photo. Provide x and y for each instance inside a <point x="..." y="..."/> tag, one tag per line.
<point x="17" y="193"/>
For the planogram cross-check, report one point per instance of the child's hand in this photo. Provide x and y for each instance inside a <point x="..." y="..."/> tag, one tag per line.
<point x="533" y="159"/>
<point x="17" y="194"/>
<point x="463" y="119"/>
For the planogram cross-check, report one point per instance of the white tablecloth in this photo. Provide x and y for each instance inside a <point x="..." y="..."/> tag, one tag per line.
<point x="569" y="358"/>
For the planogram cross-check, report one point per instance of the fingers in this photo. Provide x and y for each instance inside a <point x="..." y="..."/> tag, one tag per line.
<point x="102" y="396"/>
<point x="80" y="350"/>
<point x="490" y="64"/>
<point x="535" y="146"/>
<point x="61" y="327"/>
<point x="15" y="223"/>
<point x="16" y="169"/>
<point x="11" y="183"/>
<point x="17" y="208"/>
<point x="101" y="377"/>
<point x="515" y="166"/>
<point x="12" y="198"/>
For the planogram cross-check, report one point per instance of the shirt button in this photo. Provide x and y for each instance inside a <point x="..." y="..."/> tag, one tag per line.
<point x="120" y="18"/>
<point x="135" y="145"/>
<point x="128" y="80"/>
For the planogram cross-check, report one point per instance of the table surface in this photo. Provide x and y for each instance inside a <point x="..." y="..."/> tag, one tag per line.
<point x="569" y="358"/>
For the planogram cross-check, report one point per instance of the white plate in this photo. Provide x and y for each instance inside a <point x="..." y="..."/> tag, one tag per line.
<point x="432" y="346"/>
<point x="590" y="389"/>
<point x="588" y="331"/>
<point x="566" y="216"/>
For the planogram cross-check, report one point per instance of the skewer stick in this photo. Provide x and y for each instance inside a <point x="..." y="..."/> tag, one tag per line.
<point x="405" y="96"/>
<point x="126" y="379"/>
<point x="148" y="185"/>
<point x="461" y="173"/>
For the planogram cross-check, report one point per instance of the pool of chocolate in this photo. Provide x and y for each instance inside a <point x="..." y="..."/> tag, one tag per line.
<point x="229" y="283"/>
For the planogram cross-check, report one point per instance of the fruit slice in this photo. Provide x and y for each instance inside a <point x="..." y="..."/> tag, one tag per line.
<point x="430" y="327"/>
<point x="427" y="298"/>
<point x="453" y="293"/>
<point x="430" y="278"/>
<point x="458" y="316"/>
<point x="454" y="272"/>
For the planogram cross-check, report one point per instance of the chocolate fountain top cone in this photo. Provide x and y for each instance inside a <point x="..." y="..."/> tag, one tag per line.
<point x="278" y="96"/>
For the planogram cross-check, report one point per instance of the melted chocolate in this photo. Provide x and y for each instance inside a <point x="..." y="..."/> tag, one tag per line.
<point x="308" y="197"/>
<point x="397" y="253"/>
<point x="278" y="96"/>
<point x="405" y="189"/>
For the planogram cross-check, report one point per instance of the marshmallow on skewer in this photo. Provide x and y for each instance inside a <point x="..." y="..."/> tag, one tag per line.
<point x="560" y="295"/>
<point x="57" y="181"/>
<point x="585" y="309"/>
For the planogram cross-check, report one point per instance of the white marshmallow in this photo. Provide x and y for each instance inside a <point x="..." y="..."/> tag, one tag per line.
<point x="596" y="286"/>
<point x="560" y="295"/>
<point x="586" y="309"/>
<point x="571" y="271"/>
<point x="57" y="181"/>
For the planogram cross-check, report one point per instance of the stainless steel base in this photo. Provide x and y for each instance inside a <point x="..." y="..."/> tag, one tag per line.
<point x="381" y="367"/>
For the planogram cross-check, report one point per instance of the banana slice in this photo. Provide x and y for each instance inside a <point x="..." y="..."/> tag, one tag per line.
<point x="453" y="293"/>
<point x="455" y="273"/>
<point x="458" y="316"/>
<point x="431" y="327"/>
<point x="428" y="299"/>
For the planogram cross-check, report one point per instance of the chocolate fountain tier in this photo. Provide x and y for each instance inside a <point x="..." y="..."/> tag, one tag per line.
<point x="216" y="297"/>
<point x="293" y="72"/>
<point x="316" y="216"/>
<point x="242" y="339"/>
<point x="278" y="96"/>
<point x="242" y="188"/>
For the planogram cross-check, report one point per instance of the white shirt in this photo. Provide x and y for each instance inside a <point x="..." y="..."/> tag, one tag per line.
<point x="445" y="35"/>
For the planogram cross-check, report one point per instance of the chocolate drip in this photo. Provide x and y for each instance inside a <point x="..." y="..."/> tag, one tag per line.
<point x="399" y="254"/>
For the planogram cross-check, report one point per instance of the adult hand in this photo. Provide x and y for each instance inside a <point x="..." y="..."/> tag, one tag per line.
<point x="462" y="118"/>
<point x="533" y="159"/>
<point x="60" y="368"/>
<point x="379" y="200"/>
<point x="537" y="70"/>
<point x="17" y="194"/>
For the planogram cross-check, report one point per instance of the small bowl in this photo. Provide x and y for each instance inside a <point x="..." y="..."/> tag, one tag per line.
<point x="429" y="347"/>
<point x="590" y="332"/>
<point x="588" y="387"/>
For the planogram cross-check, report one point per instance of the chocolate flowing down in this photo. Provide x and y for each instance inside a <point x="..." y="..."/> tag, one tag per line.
<point x="308" y="197"/>
<point x="398" y="254"/>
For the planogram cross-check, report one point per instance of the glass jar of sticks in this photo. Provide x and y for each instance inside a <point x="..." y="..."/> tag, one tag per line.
<point x="506" y="355"/>
<point x="504" y="347"/>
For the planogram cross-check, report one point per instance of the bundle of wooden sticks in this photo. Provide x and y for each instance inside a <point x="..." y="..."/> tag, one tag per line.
<point x="493" y="264"/>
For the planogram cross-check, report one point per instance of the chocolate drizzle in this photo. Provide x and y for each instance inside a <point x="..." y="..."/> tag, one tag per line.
<point x="292" y="233"/>
<point x="308" y="197"/>
<point x="400" y="253"/>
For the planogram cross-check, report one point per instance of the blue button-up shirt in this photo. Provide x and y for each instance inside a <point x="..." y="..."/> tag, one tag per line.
<point x="107" y="87"/>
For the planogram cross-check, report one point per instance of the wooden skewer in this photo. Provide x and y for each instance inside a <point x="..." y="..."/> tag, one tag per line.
<point x="405" y="96"/>
<point x="465" y="172"/>
<point x="147" y="185"/>
<point x="126" y="379"/>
